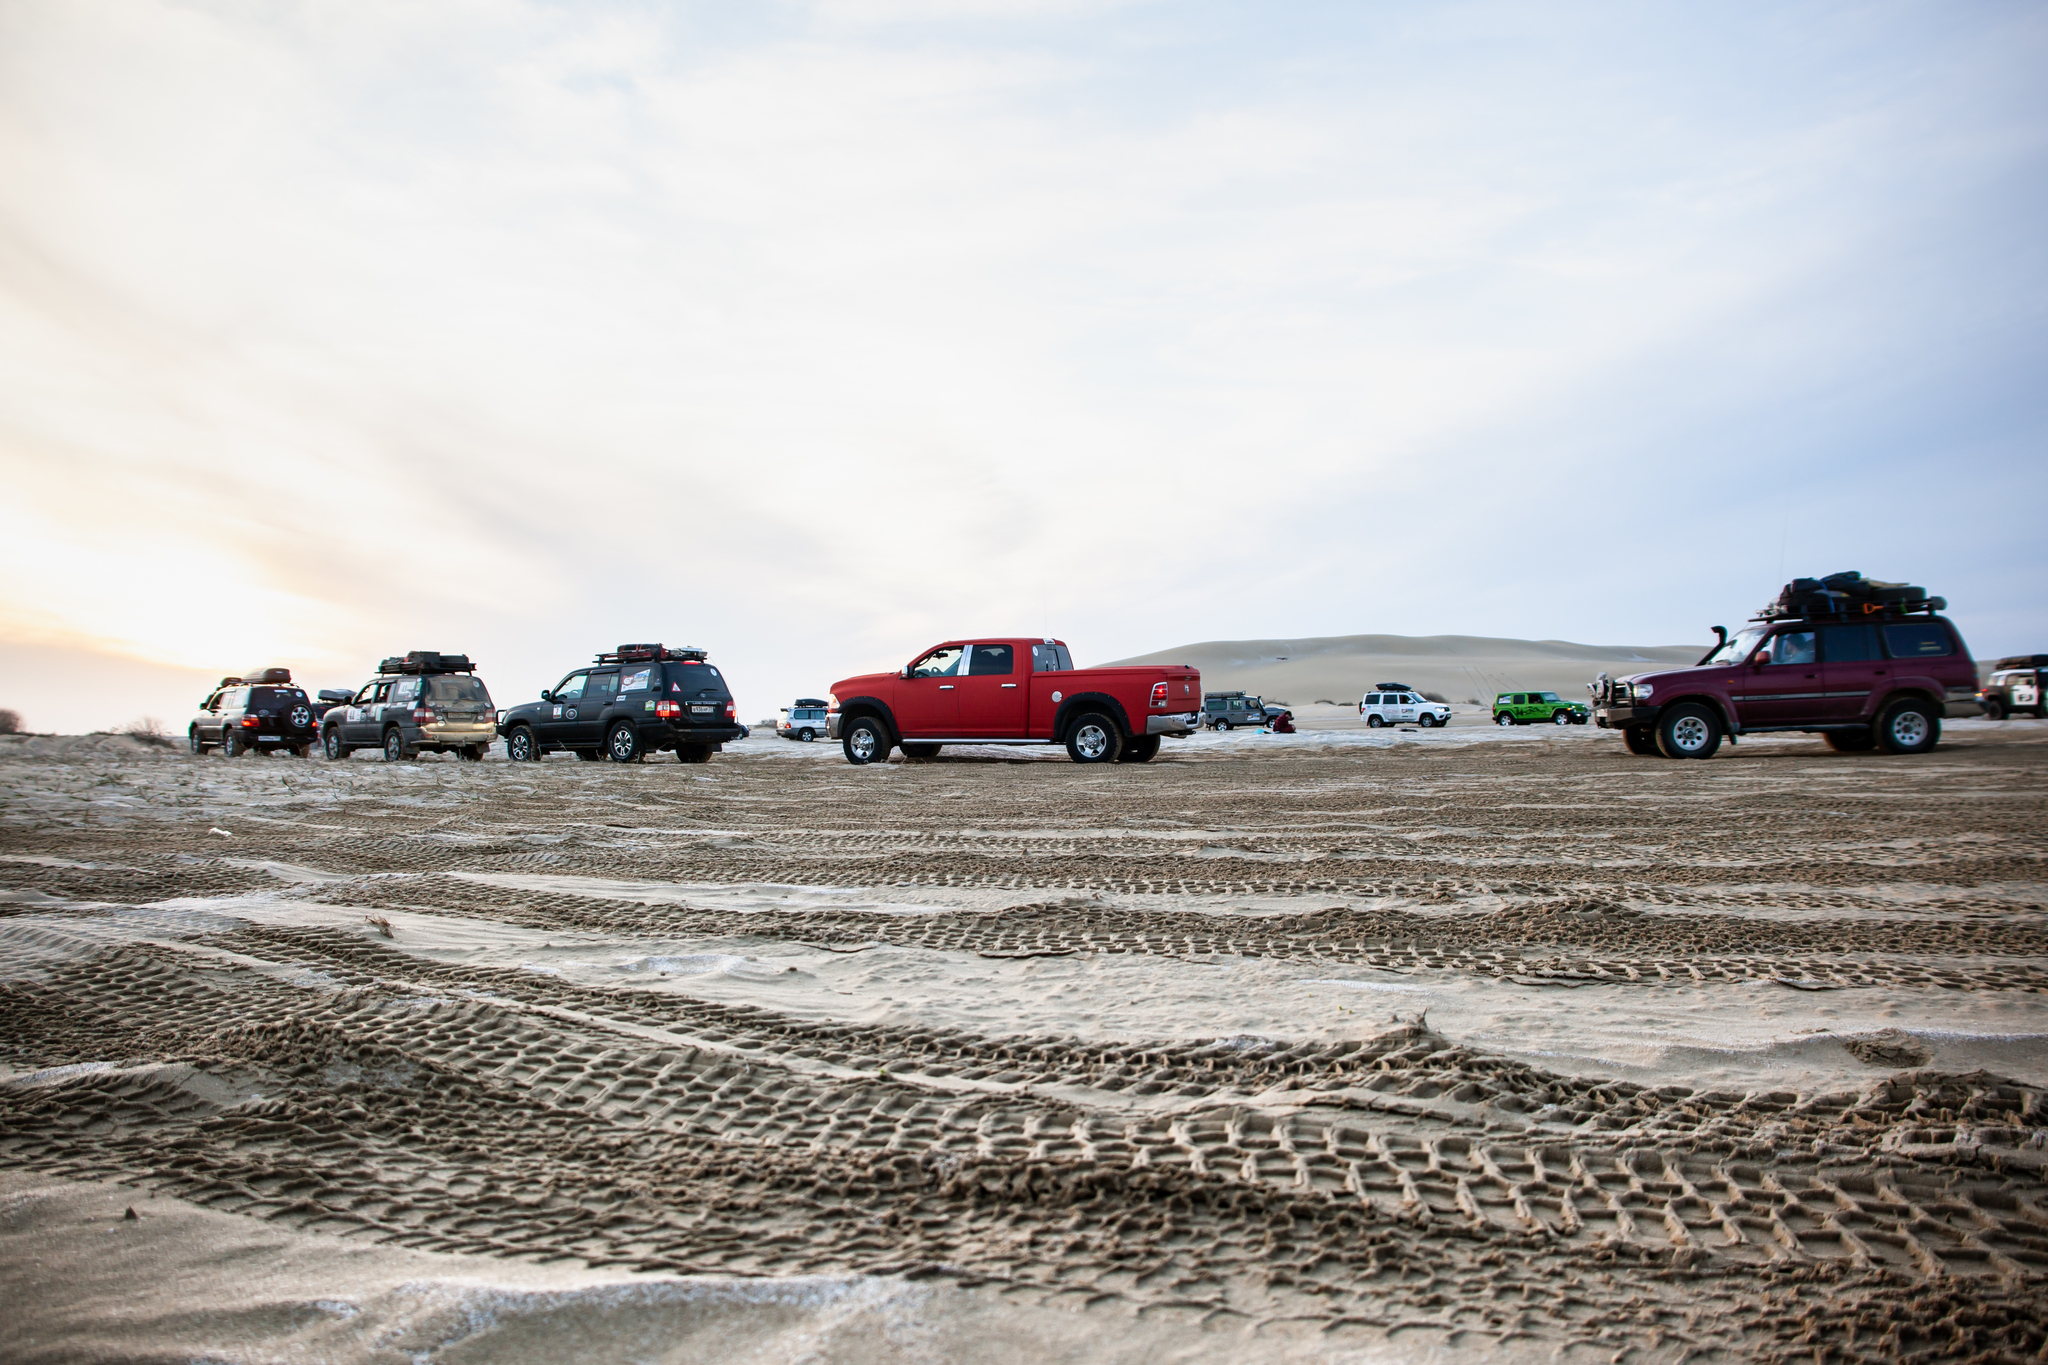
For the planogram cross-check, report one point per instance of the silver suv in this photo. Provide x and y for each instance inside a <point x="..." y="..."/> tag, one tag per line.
<point x="422" y="703"/>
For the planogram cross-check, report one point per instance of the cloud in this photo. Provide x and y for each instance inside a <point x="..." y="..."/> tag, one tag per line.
<point x="816" y="334"/>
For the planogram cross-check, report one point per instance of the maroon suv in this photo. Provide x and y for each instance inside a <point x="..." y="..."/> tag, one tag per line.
<point x="1884" y="681"/>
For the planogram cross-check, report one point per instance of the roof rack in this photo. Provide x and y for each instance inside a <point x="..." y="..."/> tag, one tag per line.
<point x="1851" y="611"/>
<point x="808" y="701"/>
<point x="2021" y="661"/>
<point x="1394" y="687"/>
<point x="646" y="654"/>
<point x="266" y="676"/>
<point x="427" y="661"/>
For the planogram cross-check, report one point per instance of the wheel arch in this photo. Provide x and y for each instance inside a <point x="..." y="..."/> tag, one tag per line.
<point x="1088" y="701"/>
<point x="1721" y="709"/>
<point x="853" y="708"/>
<point x="1905" y="692"/>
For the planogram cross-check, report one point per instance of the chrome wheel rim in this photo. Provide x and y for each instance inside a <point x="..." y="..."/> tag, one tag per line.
<point x="519" y="748"/>
<point x="333" y="743"/>
<point x="1909" y="729"/>
<point x="1504" y="721"/>
<point x="394" y="749"/>
<point x="302" y="718"/>
<point x="1560" y="719"/>
<point x="861" y="743"/>
<point x="1090" y="741"/>
<point x="1689" y="734"/>
<point x="622" y="745"/>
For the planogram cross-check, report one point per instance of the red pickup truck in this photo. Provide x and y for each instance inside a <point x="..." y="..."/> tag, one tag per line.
<point x="1012" y="692"/>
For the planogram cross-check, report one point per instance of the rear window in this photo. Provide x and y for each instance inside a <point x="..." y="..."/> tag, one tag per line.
<point x="275" y="696"/>
<point x="694" y="680"/>
<point x="1917" y="640"/>
<point x="450" y="688"/>
<point x="1051" y="659"/>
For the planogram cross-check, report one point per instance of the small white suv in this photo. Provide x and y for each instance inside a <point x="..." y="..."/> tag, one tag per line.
<point x="804" y="721"/>
<point x="1400" y="704"/>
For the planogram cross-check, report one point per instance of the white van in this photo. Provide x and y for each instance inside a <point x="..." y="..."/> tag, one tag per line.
<point x="1400" y="704"/>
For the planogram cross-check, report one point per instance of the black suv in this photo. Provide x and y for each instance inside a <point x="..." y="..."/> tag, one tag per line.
<point x="255" y="714"/>
<point x="422" y="702"/>
<point x="635" y="700"/>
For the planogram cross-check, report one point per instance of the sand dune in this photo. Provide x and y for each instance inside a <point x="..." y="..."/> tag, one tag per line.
<point x="1341" y="667"/>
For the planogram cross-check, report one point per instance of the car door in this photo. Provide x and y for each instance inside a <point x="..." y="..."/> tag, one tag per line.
<point x="561" y="713"/>
<point x="357" y="722"/>
<point x="1407" y="702"/>
<point x="927" y="703"/>
<point x="1781" y="684"/>
<point x="208" y="720"/>
<point x="598" y="695"/>
<point x="991" y="695"/>
<point x="1852" y="667"/>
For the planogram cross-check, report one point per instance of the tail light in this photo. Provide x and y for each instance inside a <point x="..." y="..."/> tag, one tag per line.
<point x="424" y="715"/>
<point x="1159" y="694"/>
<point x="668" y="710"/>
<point x="732" y="709"/>
<point x="250" y="722"/>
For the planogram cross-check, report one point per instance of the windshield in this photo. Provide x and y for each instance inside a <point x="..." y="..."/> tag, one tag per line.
<point x="449" y="688"/>
<point x="1738" y="646"/>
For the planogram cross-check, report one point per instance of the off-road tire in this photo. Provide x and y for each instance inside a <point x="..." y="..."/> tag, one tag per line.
<point x="1427" y="721"/>
<point x="1560" y="718"/>
<point x="1850" y="741"/>
<point x="394" y="746"/>
<point x="1504" y="720"/>
<point x="331" y="744"/>
<point x="1908" y="726"/>
<point x="1642" y="740"/>
<point x="231" y="744"/>
<point x="693" y="753"/>
<point x="521" y="746"/>
<point x="1688" y="730"/>
<point x="864" y="740"/>
<point x="1994" y="709"/>
<point x="199" y="746"/>
<point x="1139" y="749"/>
<point x="1375" y="722"/>
<point x="1093" y="738"/>
<point x="807" y="734"/>
<point x="622" y="743"/>
<point x="921" y="750"/>
<point x="1223" y="725"/>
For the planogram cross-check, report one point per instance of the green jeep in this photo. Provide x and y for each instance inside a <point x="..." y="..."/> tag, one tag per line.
<point x="1534" y="708"/>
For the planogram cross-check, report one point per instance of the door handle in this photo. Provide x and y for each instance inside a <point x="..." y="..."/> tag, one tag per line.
<point x="945" y="687"/>
<point x="1009" y="684"/>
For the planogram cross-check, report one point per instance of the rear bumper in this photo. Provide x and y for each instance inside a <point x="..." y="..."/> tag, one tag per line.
<point x="456" y="736"/>
<point x="1177" y="726"/>
<point x="1624" y="717"/>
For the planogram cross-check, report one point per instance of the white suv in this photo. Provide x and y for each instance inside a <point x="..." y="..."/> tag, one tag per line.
<point x="805" y="720"/>
<point x="1400" y="704"/>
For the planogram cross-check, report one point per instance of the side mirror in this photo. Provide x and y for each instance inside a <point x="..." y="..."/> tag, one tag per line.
<point x="546" y="695"/>
<point x="903" y="672"/>
<point x="1763" y="657"/>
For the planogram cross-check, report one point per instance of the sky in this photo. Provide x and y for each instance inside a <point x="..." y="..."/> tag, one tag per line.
<point x="813" y="334"/>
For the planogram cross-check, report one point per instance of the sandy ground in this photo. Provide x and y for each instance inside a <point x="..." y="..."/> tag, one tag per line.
<point x="1346" y="1045"/>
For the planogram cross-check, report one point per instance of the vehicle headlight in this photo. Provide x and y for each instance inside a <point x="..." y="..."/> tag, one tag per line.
<point x="1643" y="691"/>
<point x="831" y="701"/>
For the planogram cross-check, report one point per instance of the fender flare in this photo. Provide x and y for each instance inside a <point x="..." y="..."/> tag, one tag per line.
<point x="1722" y="708"/>
<point x="1090" y="701"/>
<point x="1901" y="692"/>
<point x="854" y="707"/>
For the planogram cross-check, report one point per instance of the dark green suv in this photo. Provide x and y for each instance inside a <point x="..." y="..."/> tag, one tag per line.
<point x="1538" y="708"/>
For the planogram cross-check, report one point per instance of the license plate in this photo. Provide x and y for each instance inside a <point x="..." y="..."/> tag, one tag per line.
<point x="701" y="710"/>
<point x="268" y="739"/>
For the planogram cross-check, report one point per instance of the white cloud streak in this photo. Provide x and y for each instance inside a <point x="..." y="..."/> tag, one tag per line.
<point x="820" y="333"/>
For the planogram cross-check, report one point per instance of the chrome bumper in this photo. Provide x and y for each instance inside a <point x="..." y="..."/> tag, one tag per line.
<point x="832" y="726"/>
<point x="1178" y="726"/>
